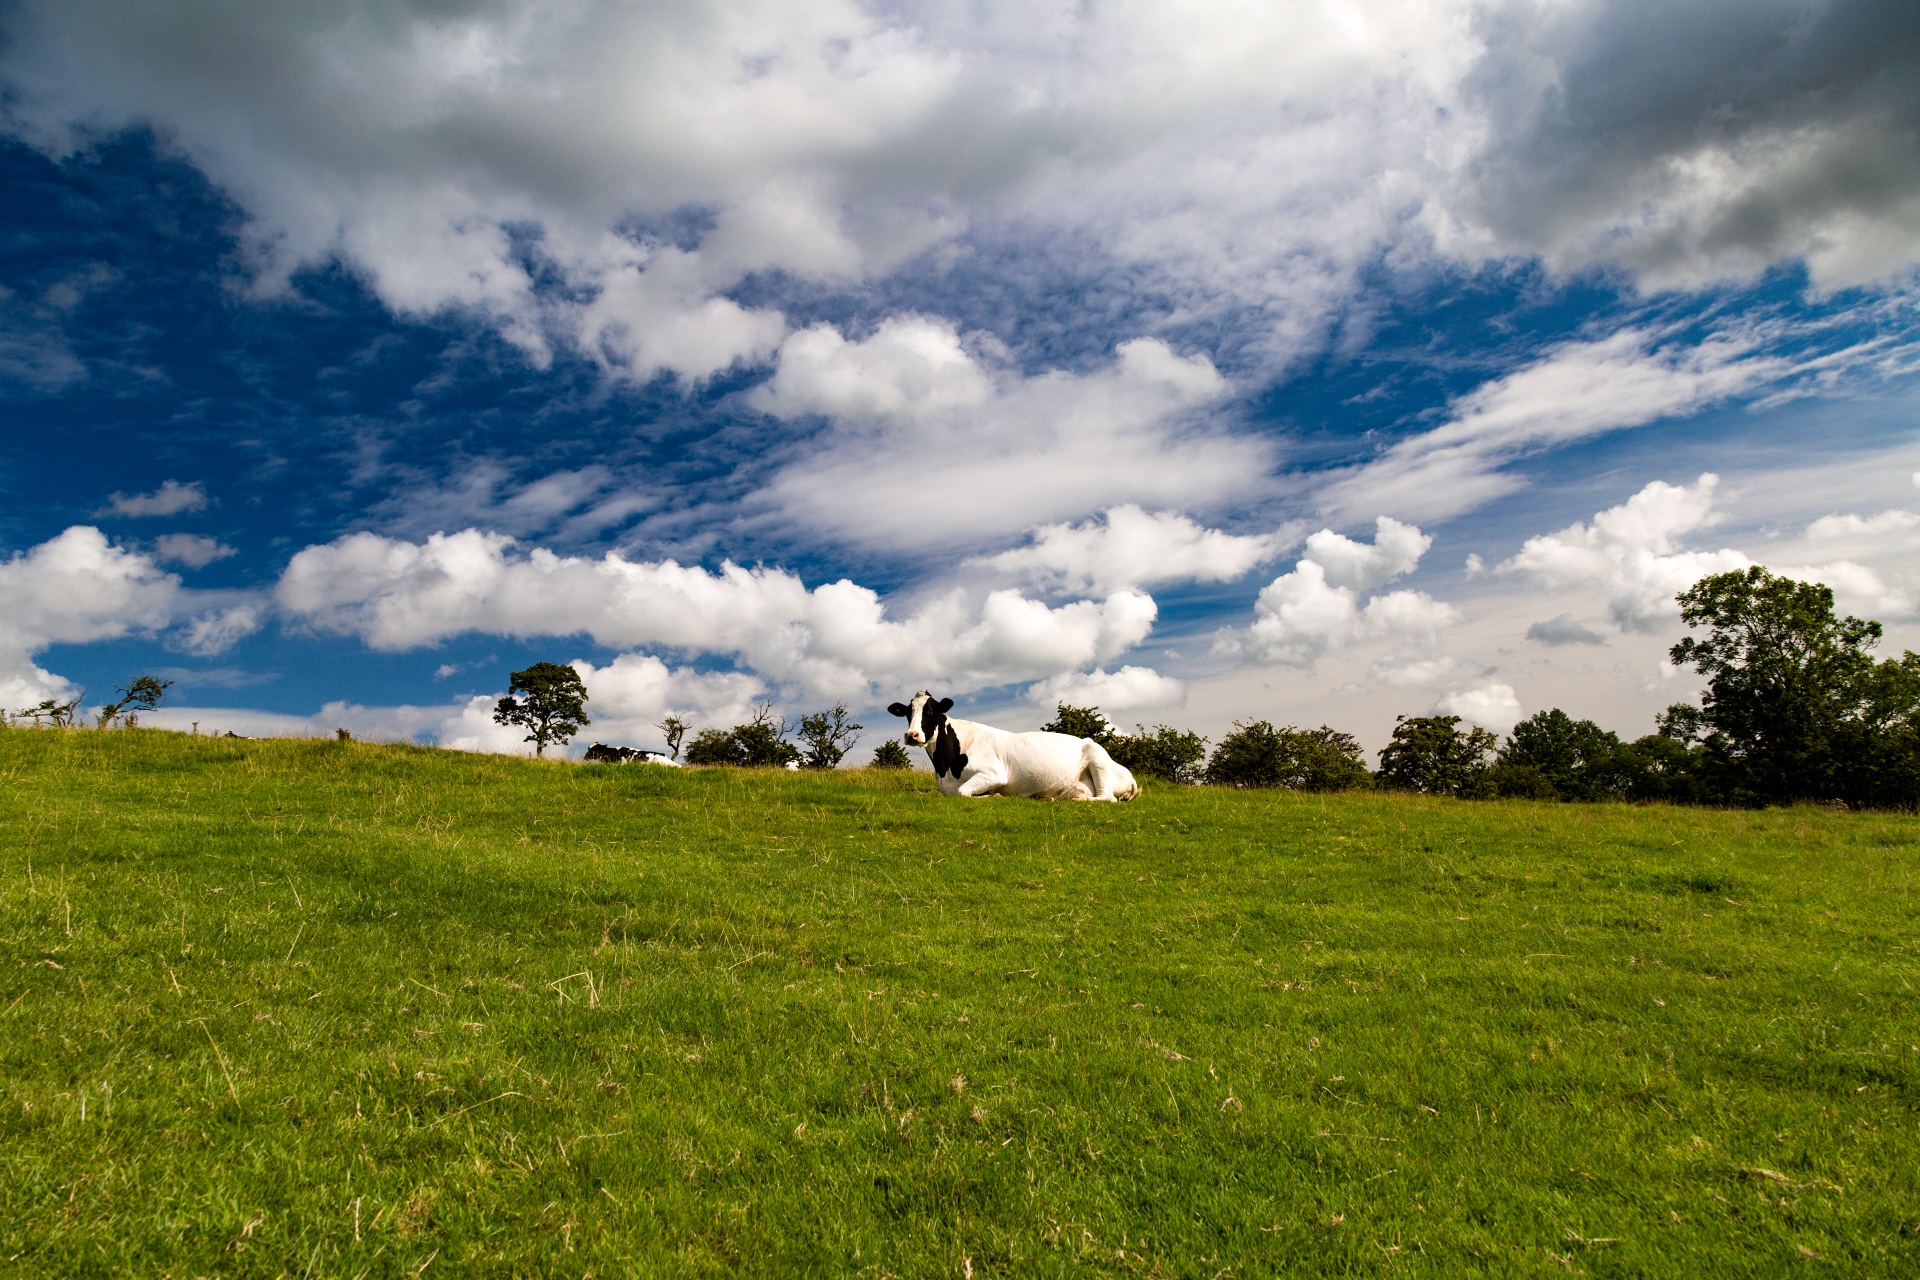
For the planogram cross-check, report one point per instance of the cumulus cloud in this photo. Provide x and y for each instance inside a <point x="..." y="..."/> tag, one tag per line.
<point x="1492" y="706"/>
<point x="1316" y="608"/>
<point x="190" y="550"/>
<point x="835" y="640"/>
<point x="170" y="499"/>
<point x="1577" y="391"/>
<point x="938" y="446"/>
<point x="1563" y="629"/>
<point x="1129" y="547"/>
<point x="72" y="589"/>
<point x="1631" y="553"/>
<point x="1128" y="689"/>
<point x="1697" y="142"/>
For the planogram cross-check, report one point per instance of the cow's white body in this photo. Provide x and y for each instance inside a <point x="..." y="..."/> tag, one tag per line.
<point x="973" y="759"/>
<point x="1043" y="766"/>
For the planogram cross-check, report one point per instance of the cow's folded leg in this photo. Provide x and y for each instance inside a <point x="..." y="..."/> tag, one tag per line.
<point x="982" y="784"/>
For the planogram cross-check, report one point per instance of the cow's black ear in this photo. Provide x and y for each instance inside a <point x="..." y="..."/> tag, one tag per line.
<point x="899" y="709"/>
<point x="945" y="705"/>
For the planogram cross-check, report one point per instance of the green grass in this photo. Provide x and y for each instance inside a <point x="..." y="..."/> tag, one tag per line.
<point x="300" y="1008"/>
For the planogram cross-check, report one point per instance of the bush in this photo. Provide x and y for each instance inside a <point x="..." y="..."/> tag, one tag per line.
<point x="890" y="755"/>
<point x="1081" y="722"/>
<point x="1259" y="755"/>
<point x="1434" y="756"/>
<point x="760" y="743"/>
<point x="715" y="746"/>
<point x="1163" y="751"/>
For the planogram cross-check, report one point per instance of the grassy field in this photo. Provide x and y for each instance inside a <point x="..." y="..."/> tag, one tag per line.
<point x="328" y="1009"/>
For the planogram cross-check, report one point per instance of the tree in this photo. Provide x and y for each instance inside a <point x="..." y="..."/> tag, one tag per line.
<point x="675" y="730"/>
<point x="890" y="755"/>
<point x="1161" y="752"/>
<point x="553" y="708"/>
<point x="59" y="714"/>
<point x="1081" y="722"/>
<point x="827" y="736"/>
<point x="1259" y="755"/>
<point x="144" y="694"/>
<point x="715" y="746"/>
<point x="1552" y="756"/>
<point x="761" y="742"/>
<point x="1657" y="767"/>
<point x="1795" y="707"/>
<point x="1434" y="756"/>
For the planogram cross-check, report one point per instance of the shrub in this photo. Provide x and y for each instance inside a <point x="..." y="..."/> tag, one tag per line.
<point x="1259" y="755"/>
<point x="759" y="743"/>
<point x="1081" y="722"/>
<point x="1163" y="751"/>
<point x="715" y="746"/>
<point x="1434" y="756"/>
<point x="890" y="755"/>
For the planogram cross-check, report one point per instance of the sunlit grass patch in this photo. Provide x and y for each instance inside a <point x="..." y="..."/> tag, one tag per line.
<point x="319" y="1008"/>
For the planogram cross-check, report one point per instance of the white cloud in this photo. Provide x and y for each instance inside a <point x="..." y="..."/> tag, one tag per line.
<point x="1128" y="547"/>
<point x="216" y="632"/>
<point x="1491" y="706"/>
<point x="1630" y="553"/>
<point x="835" y="640"/>
<point x="190" y="550"/>
<point x="170" y="499"/>
<point x="1580" y="390"/>
<point x="1128" y="689"/>
<point x="937" y="452"/>
<point x="1217" y="158"/>
<point x="71" y="589"/>
<point x="912" y="368"/>
<point x="1316" y="608"/>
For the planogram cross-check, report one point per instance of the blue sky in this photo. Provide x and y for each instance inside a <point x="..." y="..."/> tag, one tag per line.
<point x="1323" y="364"/>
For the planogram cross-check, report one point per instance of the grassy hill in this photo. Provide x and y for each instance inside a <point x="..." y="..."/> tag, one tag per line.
<point x="303" y="1008"/>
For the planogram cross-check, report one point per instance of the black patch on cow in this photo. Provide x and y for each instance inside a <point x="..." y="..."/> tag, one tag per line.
<point x="947" y="755"/>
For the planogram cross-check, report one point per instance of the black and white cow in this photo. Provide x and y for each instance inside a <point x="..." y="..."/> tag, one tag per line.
<point x="600" y="753"/>
<point x="971" y="759"/>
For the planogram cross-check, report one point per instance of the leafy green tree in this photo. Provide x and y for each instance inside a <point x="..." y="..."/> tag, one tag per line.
<point x="1434" y="756"/>
<point x="145" y="693"/>
<point x="759" y="743"/>
<point x="1552" y="756"/>
<point x="674" y="729"/>
<point x="1163" y="751"/>
<point x="890" y="755"/>
<point x="552" y="708"/>
<point x="715" y="746"/>
<point x="1795" y="707"/>
<point x="827" y="736"/>
<point x="1081" y="722"/>
<point x="1258" y="755"/>
<point x="1657" y="767"/>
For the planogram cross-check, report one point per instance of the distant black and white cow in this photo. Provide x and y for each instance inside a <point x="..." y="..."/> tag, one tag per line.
<point x="971" y="759"/>
<point x="600" y="753"/>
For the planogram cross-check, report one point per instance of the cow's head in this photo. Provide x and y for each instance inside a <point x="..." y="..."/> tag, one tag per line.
<point x="925" y="714"/>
